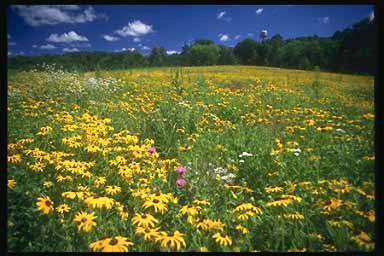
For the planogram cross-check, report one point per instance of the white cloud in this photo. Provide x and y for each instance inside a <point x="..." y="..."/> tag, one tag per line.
<point x="48" y="47"/>
<point x="324" y="20"/>
<point x="223" y="16"/>
<point x="40" y="15"/>
<point x="69" y="37"/>
<point x="126" y="49"/>
<point x="237" y="37"/>
<point x="8" y="36"/>
<point x="136" y="40"/>
<point x="259" y="11"/>
<point x="145" y="48"/>
<point x="34" y="46"/>
<point x="11" y="43"/>
<point x="70" y="50"/>
<point x="172" y="52"/>
<point x="68" y="7"/>
<point x="135" y="28"/>
<point x="9" y="53"/>
<point x="371" y="16"/>
<point x="250" y="34"/>
<point x="79" y="44"/>
<point x="110" y="38"/>
<point x="224" y="37"/>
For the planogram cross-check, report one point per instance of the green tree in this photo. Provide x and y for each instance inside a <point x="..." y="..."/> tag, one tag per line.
<point x="202" y="55"/>
<point x="246" y="51"/>
<point x="157" y="57"/>
<point x="227" y="57"/>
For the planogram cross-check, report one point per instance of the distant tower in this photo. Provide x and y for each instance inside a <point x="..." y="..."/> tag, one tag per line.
<point x="263" y="34"/>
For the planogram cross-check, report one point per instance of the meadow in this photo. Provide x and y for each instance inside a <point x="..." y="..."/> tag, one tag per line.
<point x="221" y="158"/>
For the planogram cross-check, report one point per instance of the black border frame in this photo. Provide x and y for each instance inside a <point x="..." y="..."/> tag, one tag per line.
<point x="378" y="104"/>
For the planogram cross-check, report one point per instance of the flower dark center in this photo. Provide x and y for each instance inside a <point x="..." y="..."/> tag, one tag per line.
<point x="155" y="201"/>
<point x="113" y="241"/>
<point x="84" y="219"/>
<point x="144" y="216"/>
<point x="170" y="234"/>
<point x="223" y="235"/>
<point x="47" y="203"/>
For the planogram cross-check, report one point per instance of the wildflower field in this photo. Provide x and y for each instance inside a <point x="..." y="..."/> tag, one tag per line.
<point x="223" y="158"/>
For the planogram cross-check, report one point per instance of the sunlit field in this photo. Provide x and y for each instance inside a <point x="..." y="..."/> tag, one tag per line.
<point x="225" y="158"/>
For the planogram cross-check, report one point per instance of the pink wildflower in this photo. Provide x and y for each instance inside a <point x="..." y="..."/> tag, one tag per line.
<point x="180" y="182"/>
<point x="181" y="170"/>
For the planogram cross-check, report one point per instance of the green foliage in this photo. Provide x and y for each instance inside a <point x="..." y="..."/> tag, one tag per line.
<point x="246" y="51"/>
<point x="352" y="50"/>
<point x="227" y="57"/>
<point x="157" y="57"/>
<point x="221" y="113"/>
<point x="202" y="55"/>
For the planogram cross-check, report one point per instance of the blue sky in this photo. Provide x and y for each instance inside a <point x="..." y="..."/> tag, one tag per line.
<point x="55" y="29"/>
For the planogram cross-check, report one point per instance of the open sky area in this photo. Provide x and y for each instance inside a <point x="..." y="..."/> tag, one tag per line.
<point x="56" y="29"/>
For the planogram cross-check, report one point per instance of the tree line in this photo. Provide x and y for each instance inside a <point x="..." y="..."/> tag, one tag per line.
<point x="352" y="50"/>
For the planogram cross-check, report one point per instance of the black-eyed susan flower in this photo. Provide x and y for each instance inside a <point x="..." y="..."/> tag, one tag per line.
<point x="294" y="216"/>
<point x="369" y="158"/>
<point x="273" y="189"/>
<point x="37" y="167"/>
<point x="112" y="190"/>
<point x="113" y="244"/>
<point x="222" y="239"/>
<point x="248" y="206"/>
<point x="245" y="215"/>
<point x="48" y="184"/>
<point x="242" y="229"/>
<point x="99" y="202"/>
<point x="69" y="194"/>
<point x="92" y="149"/>
<point x="201" y="202"/>
<point x="370" y="216"/>
<point x="156" y="204"/>
<point x="214" y="224"/>
<point x="164" y="198"/>
<point x="334" y="204"/>
<point x="293" y="197"/>
<point x="368" y="116"/>
<point x="99" y="181"/>
<point x="184" y="148"/>
<point x="85" y="221"/>
<point x="172" y="240"/>
<point x="63" y="208"/>
<point x="61" y="178"/>
<point x="148" y="233"/>
<point x="190" y="209"/>
<point x="363" y="240"/>
<point x="44" y="204"/>
<point x="15" y="159"/>
<point x="44" y="130"/>
<point x="144" y="220"/>
<point x="282" y="202"/>
<point x="11" y="183"/>
<point x="201" y="224"/>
